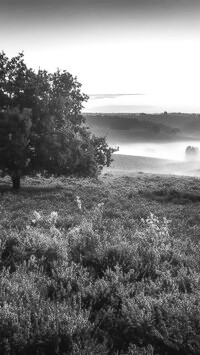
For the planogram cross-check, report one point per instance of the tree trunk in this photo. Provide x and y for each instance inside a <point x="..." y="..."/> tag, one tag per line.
<point x="16" y="182"/>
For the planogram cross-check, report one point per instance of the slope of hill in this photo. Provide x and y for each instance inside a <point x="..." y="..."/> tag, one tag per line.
<point x="145" y="127"/>
<point x="137" y="163"/>
<point x="124" y="164"/>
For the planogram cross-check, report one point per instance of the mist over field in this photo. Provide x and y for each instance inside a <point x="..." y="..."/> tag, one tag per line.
<point x="150" y="142"/>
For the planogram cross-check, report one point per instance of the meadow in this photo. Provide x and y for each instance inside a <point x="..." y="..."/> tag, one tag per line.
<point x="107" y="266"/>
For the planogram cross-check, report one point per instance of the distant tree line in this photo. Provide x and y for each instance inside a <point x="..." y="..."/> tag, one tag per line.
<point x="41" y="126"/>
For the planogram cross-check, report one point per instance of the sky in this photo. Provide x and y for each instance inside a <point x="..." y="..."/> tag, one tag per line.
<point x="147" y="48"/>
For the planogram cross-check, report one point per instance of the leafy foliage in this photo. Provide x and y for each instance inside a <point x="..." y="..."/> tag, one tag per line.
<point x="41" y="126"/>
<point x="15" y="150"/>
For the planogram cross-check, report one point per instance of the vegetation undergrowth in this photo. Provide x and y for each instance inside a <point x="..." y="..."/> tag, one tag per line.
<point x="100" y="266"/>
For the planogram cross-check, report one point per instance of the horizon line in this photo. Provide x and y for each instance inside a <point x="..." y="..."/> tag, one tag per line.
<point x="116" y="94"/>
<point x="143" y="113"/>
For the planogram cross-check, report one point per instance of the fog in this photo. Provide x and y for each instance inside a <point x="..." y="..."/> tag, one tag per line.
<point x="141" y="102"/>
<point x="151" y="142"/>
<point x="172" y="150"/>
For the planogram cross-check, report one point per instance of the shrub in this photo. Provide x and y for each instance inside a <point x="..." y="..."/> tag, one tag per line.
<point x="96" y="285"/>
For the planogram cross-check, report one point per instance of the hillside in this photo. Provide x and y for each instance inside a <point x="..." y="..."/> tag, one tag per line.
<point x="145" y="127"/>
<point x="108" y="266"/>
<point x="123" y="164"/>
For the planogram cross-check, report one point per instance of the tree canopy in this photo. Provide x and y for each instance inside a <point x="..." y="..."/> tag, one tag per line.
<point x="192" y="153"/>
<point x="41" y="126"/>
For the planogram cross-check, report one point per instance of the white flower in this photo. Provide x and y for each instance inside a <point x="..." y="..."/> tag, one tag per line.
<point x="37" y="215"/>
<point x="78" y="200"/>
<point x="32" y="259"/>
<point x="53" y="217"/>
<point x="100" y="205"/>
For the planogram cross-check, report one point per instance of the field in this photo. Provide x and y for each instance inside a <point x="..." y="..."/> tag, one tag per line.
<point x="134" y="164"/>
<point x="108" y="266"/>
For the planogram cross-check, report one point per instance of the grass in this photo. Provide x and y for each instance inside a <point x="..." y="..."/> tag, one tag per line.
<point x="126" y="200"/>
<point x="108" y="266"/>
<point x="132" y="164"/>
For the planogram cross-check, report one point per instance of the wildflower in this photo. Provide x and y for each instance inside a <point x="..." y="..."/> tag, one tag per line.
<point x="78" y="200"/>
<point x="53" y="217"/>
<point x="37" y="215"/>
<point x="100" y="204"/>
<point x="32" y="259"/>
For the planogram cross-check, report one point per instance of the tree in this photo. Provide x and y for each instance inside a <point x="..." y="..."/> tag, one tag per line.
<point x="192" y="153"/>
<point x="15" y="128"/>
<point x="41" y="126"/>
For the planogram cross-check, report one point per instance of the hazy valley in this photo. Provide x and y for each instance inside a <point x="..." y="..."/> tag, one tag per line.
<point x="155" y="142"/>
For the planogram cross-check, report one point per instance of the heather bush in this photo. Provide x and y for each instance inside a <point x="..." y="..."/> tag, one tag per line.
<point x="32" y="322"/>
<point x="42" y="241"/>
<point x="76" y="280"/>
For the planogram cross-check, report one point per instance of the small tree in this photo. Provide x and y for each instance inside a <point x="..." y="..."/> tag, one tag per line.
<point x="41" y="126"/>
<point x="192" y="153"/>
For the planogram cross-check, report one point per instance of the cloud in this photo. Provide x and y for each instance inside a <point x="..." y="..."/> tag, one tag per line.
<point x="123" y="108"/>
<point x="110" y="96"/>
